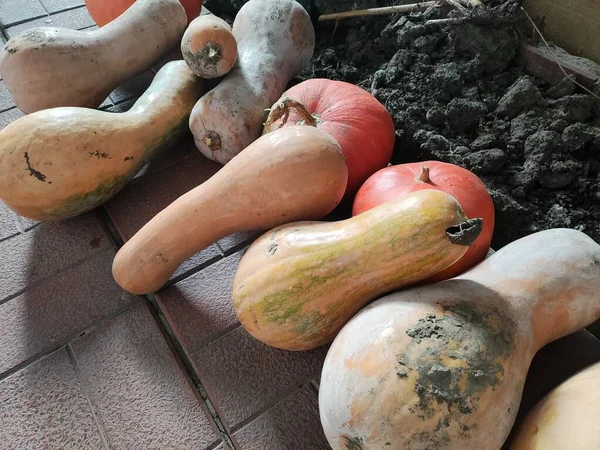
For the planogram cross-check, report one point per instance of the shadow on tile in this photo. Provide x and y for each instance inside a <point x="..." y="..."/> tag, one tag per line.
<point x="199" y="308"/>
<point x="293" y="424"/>
<point x="140" y="393"/>
<point x="55" y="282"/>
<point x="244" y="377"/>
<point x="44" y="406"/>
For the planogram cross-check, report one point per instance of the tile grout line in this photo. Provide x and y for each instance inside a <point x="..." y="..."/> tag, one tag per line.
<point x="10" y="108"/>
<point x="72" y="338"/>
<point x="3" y="32"/>
<point x="70" y="8"/>
<point x="109" y="227"/>
<point x="220" y="249"/>
<point x="186" y="364"/>
<point x="89" y="397"/>
<point x="22" y="21"/>
<point x="34" y="18"/>
<point x="10" y="237"/>
<point x="95" y="254"/>
<point x="43" y="6"/>
<point x="177" y="349"/>
<point x="190" y="272"/>
<point x="282" y="398"/>
<point x="217" y="337"/>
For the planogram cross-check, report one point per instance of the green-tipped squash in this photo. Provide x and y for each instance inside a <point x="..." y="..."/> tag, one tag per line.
<point x="299" y="283"/>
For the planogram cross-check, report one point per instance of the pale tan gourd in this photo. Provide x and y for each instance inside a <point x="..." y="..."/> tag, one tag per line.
<point x="61" y="162"/>
<point x="566" y="418"/>
<point x="275" y="42"/>
<point x="48" y="67"/>
<point x="443" y="366"/>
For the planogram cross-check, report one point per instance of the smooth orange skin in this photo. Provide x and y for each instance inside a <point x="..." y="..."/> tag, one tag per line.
<point x="298" y="173"/>
<point x="357" y="120"/>
<point x="209" y="31"/>
<point x="444" y="365"/>
<point x="461" y="183"/>
<point x="105" y="11"/>
<point x="566" y="418"/>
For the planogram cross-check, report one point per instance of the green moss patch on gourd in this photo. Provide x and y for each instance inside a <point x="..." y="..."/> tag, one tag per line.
<point x="353" y="443"/>
<point x="208" y="57"/>
<point x="455" y="356"/>
<point x="285" y="306"/>
<point x="79" y="203"/>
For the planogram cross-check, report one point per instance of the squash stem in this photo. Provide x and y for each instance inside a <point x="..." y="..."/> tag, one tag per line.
<point x="212" y="53"/>
<point x="424" y="177"/>
<point x="212" y="140"/>
<point x="466" y="232"/>
<point x="282" y="110"/>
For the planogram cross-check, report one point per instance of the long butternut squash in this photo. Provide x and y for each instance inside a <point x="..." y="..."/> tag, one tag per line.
<point x="298" y="284"/>
<point x="61" y="162"/>
<point x="297" y="173"/>
<point x="443" y="366"/>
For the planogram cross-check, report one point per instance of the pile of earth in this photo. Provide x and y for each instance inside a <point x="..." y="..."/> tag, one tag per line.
<point x="458" y="94"/>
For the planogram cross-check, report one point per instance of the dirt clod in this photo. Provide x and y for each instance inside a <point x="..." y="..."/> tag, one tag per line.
<point x="522" y="94"/>
<point x="459" y="93"/>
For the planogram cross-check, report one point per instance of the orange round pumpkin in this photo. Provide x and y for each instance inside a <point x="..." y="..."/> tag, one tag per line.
<point x="457" y="181"/>
<point x="358" y="121"/>
<point x="105" y="11"/>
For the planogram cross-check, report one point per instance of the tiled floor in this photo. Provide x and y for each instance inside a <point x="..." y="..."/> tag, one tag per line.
<point x="84" y="365"/>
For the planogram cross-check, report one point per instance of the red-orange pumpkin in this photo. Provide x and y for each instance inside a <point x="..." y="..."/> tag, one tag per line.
<point x="457" y="181"/>
<point x="362" y="126"/>
<point x="104" y="11"/>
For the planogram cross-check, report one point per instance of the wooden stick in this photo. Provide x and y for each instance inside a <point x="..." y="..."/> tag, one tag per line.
<point x="423" y="6"/>
<point x="457" y="5"/>
<point x="446" y="21"/>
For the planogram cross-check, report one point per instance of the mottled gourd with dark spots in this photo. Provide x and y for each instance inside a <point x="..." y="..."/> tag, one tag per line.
<point x="61" y="162"/>
<point x="208" y="46"/>
<point x="298" y="284"/>
<point x="443" y="366"/>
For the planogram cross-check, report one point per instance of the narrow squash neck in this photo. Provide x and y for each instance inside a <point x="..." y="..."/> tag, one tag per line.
<point x="174" y="87"/>
<point x="160" y="116"/>
<point x="187" y="226"/>
<point x="551" y="280"/>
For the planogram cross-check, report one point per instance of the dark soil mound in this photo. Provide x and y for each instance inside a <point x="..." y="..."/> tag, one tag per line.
<point x="458" y="94"/>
